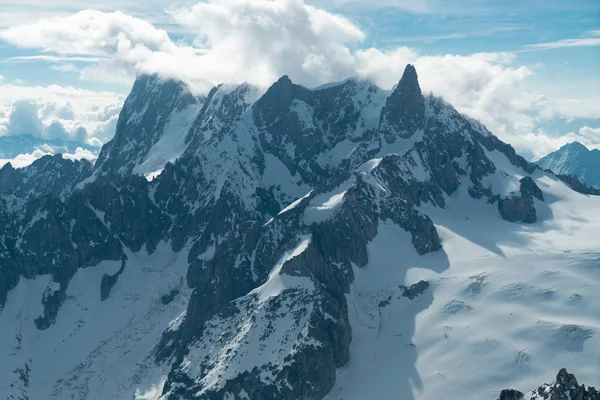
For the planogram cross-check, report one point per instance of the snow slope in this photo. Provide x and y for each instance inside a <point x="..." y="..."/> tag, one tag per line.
<point x="95" y="350"/>
<point x="171" y="144"/>
<point x="504" y="308"/>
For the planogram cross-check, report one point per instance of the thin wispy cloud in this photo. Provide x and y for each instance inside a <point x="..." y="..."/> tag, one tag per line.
<point x="564" y="43"/>
<point x="51" y="59"/>
<point x="428" y="39"/>
<point x="456" y="35"/>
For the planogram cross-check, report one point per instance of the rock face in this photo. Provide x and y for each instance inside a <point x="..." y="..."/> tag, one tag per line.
<point x="574" y="159"/>
<point x="151" y="127"/>
<point x="404" y="110"/>
<point x="520" y="207"/>
<point x="578" y="186"/>
<point x="52" y="175"/>
<point x="414" y="290"/>
<point x="565" y="387"/>
<point x="509" y="394"/>
<point x="273" y="198"/>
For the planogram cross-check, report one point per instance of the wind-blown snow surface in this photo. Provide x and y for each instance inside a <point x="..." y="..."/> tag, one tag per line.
<point x="508" y="304"/>
<point x="95" y="350"/>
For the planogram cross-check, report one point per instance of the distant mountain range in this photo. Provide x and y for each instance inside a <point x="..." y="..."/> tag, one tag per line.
<point x="12" y="146"/>
<point x="575" y="159"/>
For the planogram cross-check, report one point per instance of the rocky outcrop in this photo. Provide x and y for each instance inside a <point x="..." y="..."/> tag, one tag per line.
<point x="152" y="104"/>
<point x="415" y="290"/>
<point x="520" y="206"/>
<point x="565" y="387"/>
<point x="517" y="209"/>
<point x="578" y="186"/>
<point x="509" y="394"/>
<point x="404" y="110"/>
<point x="52" y="175"/>
<point x="108" y="281"/>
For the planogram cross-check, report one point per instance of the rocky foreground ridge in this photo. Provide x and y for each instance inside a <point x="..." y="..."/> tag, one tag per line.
<point x="565" y="387"/>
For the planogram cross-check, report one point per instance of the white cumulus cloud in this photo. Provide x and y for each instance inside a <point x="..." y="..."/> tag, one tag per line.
<point x="259" y="40"/>
<point x="59" y="112"/>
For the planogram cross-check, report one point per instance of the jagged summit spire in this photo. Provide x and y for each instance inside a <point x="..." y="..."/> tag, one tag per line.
<point x="409" y="83"/>
<point x="405" y="108"/>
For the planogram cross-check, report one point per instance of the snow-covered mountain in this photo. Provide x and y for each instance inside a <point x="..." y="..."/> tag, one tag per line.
<point x="152" y="128"/>
<point x="343" y="242"/>
<point x="52" y="175"/>
<point x="576" y="160"/>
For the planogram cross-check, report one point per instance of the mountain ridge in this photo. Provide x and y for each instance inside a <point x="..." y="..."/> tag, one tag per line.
<point x="574" y="159"/>
<point x="281" y="235"/>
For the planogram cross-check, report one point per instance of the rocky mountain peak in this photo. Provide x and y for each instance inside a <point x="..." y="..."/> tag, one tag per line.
<point x="574" y="159"/>
<point x="564" y="387"/>
<point x="279" y="97"/>
<point x="50" y="174"/>
<point x="155" y="108"/>
<point x="409" y="83"/>
<point x="404" y="110"/>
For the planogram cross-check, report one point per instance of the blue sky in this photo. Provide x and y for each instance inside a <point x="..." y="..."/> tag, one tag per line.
<point x="536" y="85"/>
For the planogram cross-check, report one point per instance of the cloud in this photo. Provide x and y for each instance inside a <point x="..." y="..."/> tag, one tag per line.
<point x="258" y="41"/>
<point x="104" y="33"/>
<point x="413" y="6"/>
<point x="24" y="119"/>
<point x="125" y="40"/>
<point x="559" y="44"/>
<point x="52" y="59"/>
<point x="545" y="144"/>
<point x="59" y="112"/>
<point x="23" y="160"/>
<point x="66" y="68"/>
<point x="236" y="40"/>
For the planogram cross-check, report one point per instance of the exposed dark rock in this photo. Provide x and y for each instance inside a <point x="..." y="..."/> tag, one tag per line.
<point x="517" y="208"/>
<point x="52" y="302"/>
<point x="520" y="206"/>
<point x="530" y="189"/>
<point x="415" y="290"/>
<point x="48" y="175"/>
<point x="167" y="298"/>
<point x="491" y="142"/>
<point x="109" y="281"/>
<point x="509" y="394"/>
<point x="564" y="388"/>
<point x="578" y="186"/>
<point x="404" y="110"/>
<point x="145" y="114"/>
